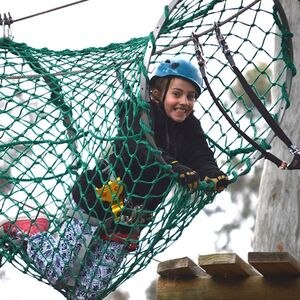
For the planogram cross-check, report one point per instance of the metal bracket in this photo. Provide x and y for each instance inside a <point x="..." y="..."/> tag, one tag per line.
<point x="6" y="22"/>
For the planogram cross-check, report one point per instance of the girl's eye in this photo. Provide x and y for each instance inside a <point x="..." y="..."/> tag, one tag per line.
<point x="177" y="94"/>
<point x="191" y="97"/>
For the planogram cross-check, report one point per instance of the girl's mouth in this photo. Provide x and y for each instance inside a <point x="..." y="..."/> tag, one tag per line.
<point x="181" y="109"/>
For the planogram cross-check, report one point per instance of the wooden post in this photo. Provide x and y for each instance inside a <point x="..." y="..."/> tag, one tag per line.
<point x="249" y="288"/>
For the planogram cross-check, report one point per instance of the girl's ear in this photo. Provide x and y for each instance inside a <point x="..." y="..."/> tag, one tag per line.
<point x="156" y="94"/>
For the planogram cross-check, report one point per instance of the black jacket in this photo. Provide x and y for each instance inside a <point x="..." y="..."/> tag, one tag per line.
<point x="146" y="183"/>
<point x="184" y="142"/>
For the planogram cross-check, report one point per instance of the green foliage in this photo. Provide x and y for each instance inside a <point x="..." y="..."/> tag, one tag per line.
<point x="151" y="291"/>
<point x="260" y="79"/>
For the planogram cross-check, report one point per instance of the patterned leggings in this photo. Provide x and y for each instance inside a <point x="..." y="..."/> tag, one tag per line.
<point x="55" y="256"/>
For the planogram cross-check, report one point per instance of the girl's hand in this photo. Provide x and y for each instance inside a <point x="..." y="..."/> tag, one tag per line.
<point x="220" y="182"/>
<point x="187" y="176"/>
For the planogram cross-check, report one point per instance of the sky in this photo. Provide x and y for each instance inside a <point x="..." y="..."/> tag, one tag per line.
<point x="98" y="23"/>
<point x="91" y="23"/>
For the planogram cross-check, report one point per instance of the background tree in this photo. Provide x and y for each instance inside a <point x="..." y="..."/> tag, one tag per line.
<point x="278" y="215"/>
<point x="118" y="295"/>
<point x="151" y="291"/>
<point x="259" y="77"/>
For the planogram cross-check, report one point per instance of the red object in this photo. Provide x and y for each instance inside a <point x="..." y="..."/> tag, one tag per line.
<point x="25" y="225"/>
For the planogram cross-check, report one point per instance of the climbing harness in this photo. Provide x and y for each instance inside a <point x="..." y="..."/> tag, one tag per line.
<point x="123" y="215"/>
<point x="114" y="194"/>
<point x="295" y="164"/>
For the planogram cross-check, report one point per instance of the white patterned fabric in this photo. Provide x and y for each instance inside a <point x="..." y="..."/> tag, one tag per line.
<point x="55" y="256"/>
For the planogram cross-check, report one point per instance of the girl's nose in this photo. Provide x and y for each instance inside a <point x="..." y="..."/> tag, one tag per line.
<point x="184" y="100"/>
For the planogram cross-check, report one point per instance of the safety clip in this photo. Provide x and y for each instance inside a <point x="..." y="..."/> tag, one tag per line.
<point x="6" y="22"/>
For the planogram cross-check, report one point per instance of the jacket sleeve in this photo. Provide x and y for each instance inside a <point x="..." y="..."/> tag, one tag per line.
<point x="199" y="156"/>
<point x="129" y="146"/>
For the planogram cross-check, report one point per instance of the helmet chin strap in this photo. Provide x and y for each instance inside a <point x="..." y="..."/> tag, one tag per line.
<point x="164" y="94"/>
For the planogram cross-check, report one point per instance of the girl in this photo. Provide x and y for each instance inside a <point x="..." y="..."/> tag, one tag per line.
<point x="80" y="258"/>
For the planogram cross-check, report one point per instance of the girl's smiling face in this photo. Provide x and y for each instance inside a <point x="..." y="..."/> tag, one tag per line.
<point x="180" y="99"/>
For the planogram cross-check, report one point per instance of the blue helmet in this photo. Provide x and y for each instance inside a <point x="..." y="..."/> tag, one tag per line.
<point x="178" y="67"/>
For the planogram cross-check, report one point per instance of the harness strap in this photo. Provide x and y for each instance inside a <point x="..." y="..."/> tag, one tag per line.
<point x="71" y="213"/>
<point x="295" y="164"/>
<point x="122" y="238"/>
<point x="281" y="164"/>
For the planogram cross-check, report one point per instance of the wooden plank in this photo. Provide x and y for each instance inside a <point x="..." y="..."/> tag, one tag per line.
<point x="226" y="265"/>
<point x="247" y="288"/>
<point x="274" y="263"/>
<point x="179" y="268"/>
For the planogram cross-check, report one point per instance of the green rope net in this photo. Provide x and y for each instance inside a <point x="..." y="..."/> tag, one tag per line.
<point x="59" y="118"/>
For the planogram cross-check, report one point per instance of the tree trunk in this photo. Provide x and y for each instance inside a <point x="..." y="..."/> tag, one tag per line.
<point x="277" y="225"/>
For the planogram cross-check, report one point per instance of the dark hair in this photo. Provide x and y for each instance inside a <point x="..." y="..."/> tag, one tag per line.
<point x="159" y="83"/>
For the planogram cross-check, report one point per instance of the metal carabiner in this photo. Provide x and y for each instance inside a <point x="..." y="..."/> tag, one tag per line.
<point x="220" y="38"/>
<point x="198" y="50"/>
<point x="6" y="21"/>
<point x="223" y="44"/>
<point x="199" y="54"/>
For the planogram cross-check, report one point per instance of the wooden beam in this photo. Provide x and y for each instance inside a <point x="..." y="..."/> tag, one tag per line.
<point x="272" y="264"/>
<point x="179" y="268"/>
<point x="226" y="265"/>
<point x="247" y="288"/>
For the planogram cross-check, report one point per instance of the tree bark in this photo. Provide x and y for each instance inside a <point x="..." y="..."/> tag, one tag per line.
<point x="277" y="225"/>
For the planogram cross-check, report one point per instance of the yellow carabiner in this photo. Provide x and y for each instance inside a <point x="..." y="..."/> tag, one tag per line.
<point x="113" y="193"/>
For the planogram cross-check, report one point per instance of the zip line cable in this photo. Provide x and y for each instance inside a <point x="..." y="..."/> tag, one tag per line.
<point x="9" y="21"/>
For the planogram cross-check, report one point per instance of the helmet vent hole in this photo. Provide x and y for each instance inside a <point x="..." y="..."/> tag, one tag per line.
<point x="174" y="65"/>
